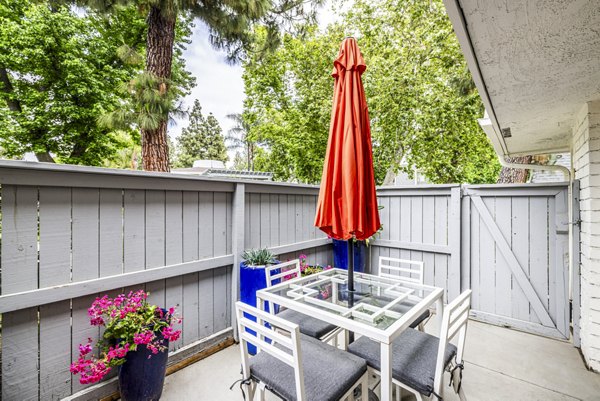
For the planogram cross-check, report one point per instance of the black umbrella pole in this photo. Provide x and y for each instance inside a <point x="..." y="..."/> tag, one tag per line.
<point x="351" y="281"/>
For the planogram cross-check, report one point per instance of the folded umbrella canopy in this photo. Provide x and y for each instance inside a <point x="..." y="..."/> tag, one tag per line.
<point x="347" y="206"/>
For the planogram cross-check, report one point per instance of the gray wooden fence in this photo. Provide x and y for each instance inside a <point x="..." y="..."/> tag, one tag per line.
<point x="508" y="243"/>
<point x="72" y="233"/>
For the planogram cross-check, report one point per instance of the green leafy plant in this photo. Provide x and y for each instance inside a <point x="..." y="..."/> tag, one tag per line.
<point x="258" y="257"/>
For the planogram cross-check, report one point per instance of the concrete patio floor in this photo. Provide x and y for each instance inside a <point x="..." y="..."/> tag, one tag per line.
<point x="500" y="365"/>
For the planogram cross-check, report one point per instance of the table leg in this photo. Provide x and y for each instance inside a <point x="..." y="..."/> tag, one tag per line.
<point x="439" y="311"/>
<point x="386" y="372"/>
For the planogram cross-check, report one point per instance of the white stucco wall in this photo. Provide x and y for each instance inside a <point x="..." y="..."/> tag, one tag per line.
<point x="586" y="163"/>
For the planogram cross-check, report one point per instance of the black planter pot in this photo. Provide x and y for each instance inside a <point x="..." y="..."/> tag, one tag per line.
<point x="142" y="378"/>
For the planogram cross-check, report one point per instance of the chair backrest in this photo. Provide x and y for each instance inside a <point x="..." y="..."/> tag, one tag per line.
<point x="294" y="272"/>
<point x="286" y="336"/>
<point x="454" y="321"/>
<point x="401" y="269"/>
<point x="281" y="272"/>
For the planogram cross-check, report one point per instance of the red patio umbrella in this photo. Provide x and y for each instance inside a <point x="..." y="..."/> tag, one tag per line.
<point x="347" y="206"/>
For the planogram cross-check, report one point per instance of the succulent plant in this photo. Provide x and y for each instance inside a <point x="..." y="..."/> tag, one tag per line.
<point x="258" y="257"/>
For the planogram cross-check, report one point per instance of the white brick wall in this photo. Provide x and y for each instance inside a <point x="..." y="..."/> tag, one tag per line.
<point x="586" y="163"/>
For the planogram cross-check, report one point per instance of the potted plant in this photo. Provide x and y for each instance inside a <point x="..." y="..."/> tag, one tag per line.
<point x="252" y="273"/>
<point x="136" y="340"/>
<point x="253" y="278"/>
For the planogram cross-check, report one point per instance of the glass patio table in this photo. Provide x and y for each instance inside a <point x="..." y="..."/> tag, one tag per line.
<point x="379" y="308"/>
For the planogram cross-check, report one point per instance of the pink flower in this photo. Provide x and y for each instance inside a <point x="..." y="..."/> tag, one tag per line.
<point x="143" y="338"/>
<point x="85" y="349"/>
<point x="170" y="334"/>
<point x="302" y="257"/>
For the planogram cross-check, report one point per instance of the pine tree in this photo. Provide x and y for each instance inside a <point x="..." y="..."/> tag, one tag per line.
<point x="201" y="140"/>
<point x="230" y="25"/>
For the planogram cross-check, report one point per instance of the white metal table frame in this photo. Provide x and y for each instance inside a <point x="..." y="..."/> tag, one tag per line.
<point x="339" y="315"/>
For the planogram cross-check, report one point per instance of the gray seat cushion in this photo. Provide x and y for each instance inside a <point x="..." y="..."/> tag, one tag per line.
<point x="308" y="325"/>
<point x="328" y="371"/>
<point x="414" y="356"/>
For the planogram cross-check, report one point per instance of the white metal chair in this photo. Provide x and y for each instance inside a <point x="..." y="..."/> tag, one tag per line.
<point x="292" y="365"/>
<point x="395" y="268"/>
<point x="308" y="325"/>
<point x="405" y="270"/>
<point x="420" y="359"/>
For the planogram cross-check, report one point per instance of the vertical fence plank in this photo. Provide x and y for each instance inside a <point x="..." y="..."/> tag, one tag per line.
<point x="487" y="258"/>
<point x="274" y="220"/>
<point x="538" y="251"/>
<point x="155" y="243"/>
<point x="238" y="218"/>
<point x="298" y="218"/>
<point x="283" y="220"/>
<point x="55" y="268"/>
<point x="265" y="221"/>
<point x="454" y="241"/>
<point x="174" y="254"/>
<point x="19" y="273"/>
<point x="85" y="255"/>
<point x="416" y="224"/>
<point x="247" y="222"/>
<point x="562" y="227"/>
<point x="503" y="272"/>
<point x="465" y="253"/>
<point x="394" y="224"/>
<point x="111" y="232"/>
<point x="475" y="256"/>
<point x="441" y="238"/>
<point x="19" y="238"/>
<point x="520" y="247"/>
<point x="255" y="222"/>
<point x="291" y="219"/>
<point x="219" y="247"/>
<point x="206" y="303"/>
<point x="205" y="224"/>
<point x="405" y="224"/>
<point x="20" y="355"/>
<point x="189" y="308"/>
<point x="134" y="230"/>
<point x="429" y="238"/>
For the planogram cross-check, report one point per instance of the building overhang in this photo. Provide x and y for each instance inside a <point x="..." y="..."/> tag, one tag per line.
<point x="534" y="64"/>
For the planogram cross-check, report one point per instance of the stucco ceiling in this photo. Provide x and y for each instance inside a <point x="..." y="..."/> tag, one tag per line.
<point x="539" y="61"/>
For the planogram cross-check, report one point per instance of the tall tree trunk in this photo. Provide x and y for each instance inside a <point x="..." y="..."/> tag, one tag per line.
<point x="515" y="175"/>
<point x="159" y="58"/>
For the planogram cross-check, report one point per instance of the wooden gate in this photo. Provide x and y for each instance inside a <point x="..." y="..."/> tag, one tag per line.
<point x="515" y="256"/>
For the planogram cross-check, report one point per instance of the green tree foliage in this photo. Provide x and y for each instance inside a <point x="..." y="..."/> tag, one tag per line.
<point x="201" y="140"/>
<point x="230" y="25"/>
<point x="422" y="102"/>
<point x="59" y="72"/>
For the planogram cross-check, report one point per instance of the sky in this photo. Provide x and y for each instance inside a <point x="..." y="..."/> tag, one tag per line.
<point x="219" y="86"/>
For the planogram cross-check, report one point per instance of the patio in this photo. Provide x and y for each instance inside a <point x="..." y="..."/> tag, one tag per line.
<point x="70" y="233"/>
<point x="501" y="364"/>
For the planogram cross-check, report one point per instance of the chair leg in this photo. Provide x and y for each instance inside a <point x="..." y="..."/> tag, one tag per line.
<point x="461" y="394"/>
<point x="421" y="327"/>
<point x="262" y="391"/>
<point x="364" y="387"/>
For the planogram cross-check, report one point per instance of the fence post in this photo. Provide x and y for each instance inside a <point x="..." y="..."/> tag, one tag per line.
<point x="575" y="227"/>
<point x="454" y="231"/>
<point x="465" y="238"/>
<point x="237" y="247"/>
